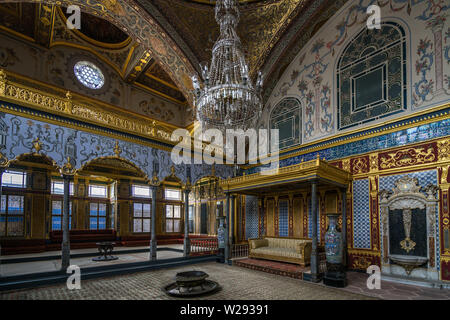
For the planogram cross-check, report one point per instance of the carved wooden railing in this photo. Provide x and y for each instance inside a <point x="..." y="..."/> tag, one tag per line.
<point x="239" y="251"/>
<point x="204" y="246"/>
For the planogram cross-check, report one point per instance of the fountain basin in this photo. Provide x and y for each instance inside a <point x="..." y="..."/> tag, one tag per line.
<point x="409" y="263"/>
<point x="191" y="278"/>
<point x="191" y="283"/>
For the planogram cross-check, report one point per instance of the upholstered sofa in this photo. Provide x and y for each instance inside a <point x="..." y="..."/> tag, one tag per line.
<point x="291" y="250"/>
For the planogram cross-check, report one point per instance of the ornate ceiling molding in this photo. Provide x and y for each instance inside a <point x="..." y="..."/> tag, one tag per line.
<point x="156" y="14"/>
<point x="144" y="29"/>
<point x="295" y="38"/>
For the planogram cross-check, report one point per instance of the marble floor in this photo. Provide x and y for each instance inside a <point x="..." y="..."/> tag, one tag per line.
<point x="12" y="269"/>
<point x="237" y="284"/>
<point x="394" y="290"/>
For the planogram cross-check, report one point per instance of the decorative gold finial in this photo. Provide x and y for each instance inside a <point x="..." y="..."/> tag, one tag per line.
<point x="188" y="186"/>
<point x="67" y="168"/>
<point x="117" y="150"/>
<point x="172" y="171"/>
<point x="37" y="146"/>
<point x="155" y="181"/>
<point x="3" y="160"/>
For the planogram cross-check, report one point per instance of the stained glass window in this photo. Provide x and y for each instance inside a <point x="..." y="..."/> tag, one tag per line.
<point x="57" y="214"/>
<point x="173" y="218"/>
<point x="191" y="219"/>
<point x="141" y="217"/>
<point x="12" y="216"/>
<point x="172" y="194"/>
<point x="371" y="76"/>
<point x="97" y="216"/>
<point x="98" y="191"/>
<point x="58" y="187"/>
<point x="16" y="179"/>
<point x="89" y="74"/>
<point x="140" y="191"/>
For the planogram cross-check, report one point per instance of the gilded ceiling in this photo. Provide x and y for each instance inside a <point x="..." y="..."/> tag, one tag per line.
<point x="108" y="42"/>
<point x="261" y="25"/>
<point x="158" y="44"/>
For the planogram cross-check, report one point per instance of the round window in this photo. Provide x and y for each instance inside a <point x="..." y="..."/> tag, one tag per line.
<point x="89" y="74"/>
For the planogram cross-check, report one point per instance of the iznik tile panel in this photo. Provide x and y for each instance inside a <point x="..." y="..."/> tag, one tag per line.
<point x="251" y="217"/>
<point x="283" y="216"/>
<point x="361" y="214"/>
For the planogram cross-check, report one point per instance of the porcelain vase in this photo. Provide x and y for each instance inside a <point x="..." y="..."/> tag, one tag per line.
<point x="333" y="241"/>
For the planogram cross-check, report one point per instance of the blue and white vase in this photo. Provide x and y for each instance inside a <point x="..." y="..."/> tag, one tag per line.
<point x="221" y="233"/>
<point x="333" y="241"/>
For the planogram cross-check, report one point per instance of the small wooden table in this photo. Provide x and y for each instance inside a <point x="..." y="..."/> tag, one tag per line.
<point x="105" y="249"/>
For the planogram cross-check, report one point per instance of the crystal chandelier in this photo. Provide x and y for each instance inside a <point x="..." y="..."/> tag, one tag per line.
<point x="228" y="99"/>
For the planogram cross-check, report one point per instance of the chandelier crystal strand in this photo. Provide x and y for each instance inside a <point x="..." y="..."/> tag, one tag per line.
<point x="228" y="99"/>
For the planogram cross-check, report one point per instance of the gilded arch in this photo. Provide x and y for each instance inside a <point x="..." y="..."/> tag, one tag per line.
<point x="141" y="26"/>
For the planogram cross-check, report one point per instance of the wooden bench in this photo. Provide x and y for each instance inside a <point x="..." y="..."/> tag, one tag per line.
<point x="80" y="239"/>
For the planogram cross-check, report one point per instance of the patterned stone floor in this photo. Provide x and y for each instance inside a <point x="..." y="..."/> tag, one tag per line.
<point x="13" y="269"/>
<point x="393" y="290"/>
<point x="357" y="282"/>
<point x="237" y="284"/>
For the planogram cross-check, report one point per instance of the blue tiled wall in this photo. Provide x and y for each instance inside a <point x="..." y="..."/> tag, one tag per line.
<point x="283" y="216"/>
<point x="361" y="214"/>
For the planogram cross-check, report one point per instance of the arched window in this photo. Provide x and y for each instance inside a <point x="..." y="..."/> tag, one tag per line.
<point x="371" y="76"/>
<point x="286" y="117"/>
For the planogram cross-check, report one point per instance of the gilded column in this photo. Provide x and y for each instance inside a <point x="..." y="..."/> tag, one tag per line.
<point x="305" y="215"/>
<point x="314" y="251"/>
<point x="276" y="218"/>
<point x="344" y="226"/>
<point x="375" y="230"/>
<point x="444" y="207"/>
<point x="322" y="217"/>
<point x="291" y="215"/>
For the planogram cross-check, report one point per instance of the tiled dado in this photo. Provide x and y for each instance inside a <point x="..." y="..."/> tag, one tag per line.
<point x="444" y="222"/>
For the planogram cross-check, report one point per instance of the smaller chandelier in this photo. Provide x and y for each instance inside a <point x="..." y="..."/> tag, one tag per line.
<point x="228" y="99"/>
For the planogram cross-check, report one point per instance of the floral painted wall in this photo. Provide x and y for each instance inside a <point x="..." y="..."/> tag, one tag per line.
<point x="17" y="136"/>
<point x="348" y="77"/>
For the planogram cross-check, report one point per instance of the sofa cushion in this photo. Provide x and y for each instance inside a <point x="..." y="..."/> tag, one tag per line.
<point x="258" y="243"/>
<point x="273" y="251"/>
